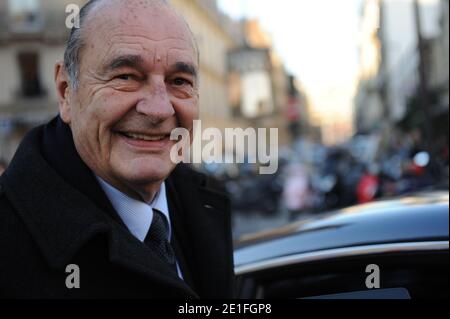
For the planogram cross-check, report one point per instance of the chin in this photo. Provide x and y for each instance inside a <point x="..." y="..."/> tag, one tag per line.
<point x="147" y="171"/>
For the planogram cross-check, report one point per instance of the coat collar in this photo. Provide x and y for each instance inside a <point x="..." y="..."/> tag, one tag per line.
<point x="62" y="218"/>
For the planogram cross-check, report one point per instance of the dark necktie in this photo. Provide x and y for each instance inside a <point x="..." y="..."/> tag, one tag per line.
<point x="157" y="239"/>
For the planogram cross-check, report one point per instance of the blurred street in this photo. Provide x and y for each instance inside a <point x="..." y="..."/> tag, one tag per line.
<point x="334" y="179"/>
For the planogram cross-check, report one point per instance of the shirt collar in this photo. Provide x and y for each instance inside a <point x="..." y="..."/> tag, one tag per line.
<point x="137" y="215"/>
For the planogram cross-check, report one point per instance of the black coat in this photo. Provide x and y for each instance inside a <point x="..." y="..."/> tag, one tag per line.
<point x="53" y="213"/>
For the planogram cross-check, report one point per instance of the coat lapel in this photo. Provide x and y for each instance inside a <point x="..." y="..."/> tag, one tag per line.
<point x="128" y="252"/>
<point x="207" y="222"/>
<point x="180" y="240"/>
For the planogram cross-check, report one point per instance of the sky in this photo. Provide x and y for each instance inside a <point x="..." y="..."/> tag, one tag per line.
<point x="318" y="41"/>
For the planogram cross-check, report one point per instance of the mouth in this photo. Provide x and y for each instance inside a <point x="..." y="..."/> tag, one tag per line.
<point x="144" y="137"/>
<point x="155" y="141"/>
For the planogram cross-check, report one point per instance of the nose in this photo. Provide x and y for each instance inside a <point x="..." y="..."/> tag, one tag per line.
<point x="156" y="104"/>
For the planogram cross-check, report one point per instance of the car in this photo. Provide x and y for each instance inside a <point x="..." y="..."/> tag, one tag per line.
<point x="390" y="249"/>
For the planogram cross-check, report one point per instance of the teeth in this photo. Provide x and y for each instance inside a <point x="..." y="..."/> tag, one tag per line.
<point x="145" y="137"/>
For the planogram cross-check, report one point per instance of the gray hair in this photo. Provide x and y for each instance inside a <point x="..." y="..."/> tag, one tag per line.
<point x="76" y="43"/>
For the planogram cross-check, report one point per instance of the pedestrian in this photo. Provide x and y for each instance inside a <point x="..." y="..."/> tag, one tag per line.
<point x="296" y="192"/>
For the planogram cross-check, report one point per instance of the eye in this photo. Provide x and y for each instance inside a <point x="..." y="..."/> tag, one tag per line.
<point x="125" y="77"/>
<point x="181" y="82"/>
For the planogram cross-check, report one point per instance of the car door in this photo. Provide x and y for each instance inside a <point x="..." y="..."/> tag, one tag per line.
<point x="413" y="273"/>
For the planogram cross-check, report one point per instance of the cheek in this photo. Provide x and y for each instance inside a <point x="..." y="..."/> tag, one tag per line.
<point x="110" y="107"/>
<point x="187" y="113"/>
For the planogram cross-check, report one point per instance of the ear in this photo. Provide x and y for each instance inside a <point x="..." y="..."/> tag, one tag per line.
<point x="63" y="92"/>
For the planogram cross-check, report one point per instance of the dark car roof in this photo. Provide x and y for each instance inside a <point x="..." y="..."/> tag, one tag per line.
<point x="422" y="217"/>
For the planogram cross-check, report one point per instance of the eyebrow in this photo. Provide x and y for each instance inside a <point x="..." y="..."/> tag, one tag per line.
<point x="137" y="62"/>
<point x="131" y="61"/>
<point x="183" y="67"/>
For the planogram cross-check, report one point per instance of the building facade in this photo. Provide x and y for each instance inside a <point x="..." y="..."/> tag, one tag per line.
<point x="32" y="39"/>
<point x="390" y="58"/>
<point x="369" y="107"/>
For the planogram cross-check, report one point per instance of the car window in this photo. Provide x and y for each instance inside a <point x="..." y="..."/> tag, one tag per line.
<point x="418" y="275"/>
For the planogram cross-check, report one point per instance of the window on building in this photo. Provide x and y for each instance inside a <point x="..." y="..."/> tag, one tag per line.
<point x="24" y="15"/>
<point x="29" y="74"/>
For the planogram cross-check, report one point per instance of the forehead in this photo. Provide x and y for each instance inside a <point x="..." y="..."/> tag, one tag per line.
<point x="168" y="49"/>
<point x="154" y="31"/>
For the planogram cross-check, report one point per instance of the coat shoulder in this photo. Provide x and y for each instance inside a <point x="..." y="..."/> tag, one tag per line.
<point x="6" y="210"/>
<point x="19" y="255"/>
<point x="11" y="226"/>
<point x="186" y="173"/>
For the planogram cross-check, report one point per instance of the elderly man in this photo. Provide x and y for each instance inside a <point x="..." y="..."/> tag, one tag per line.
<point x="92" y="205"/>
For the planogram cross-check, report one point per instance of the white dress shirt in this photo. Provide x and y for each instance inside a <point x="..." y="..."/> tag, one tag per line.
<point x="137" y="215"/>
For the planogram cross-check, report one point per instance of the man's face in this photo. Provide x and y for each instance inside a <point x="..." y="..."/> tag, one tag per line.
<point x="137" y="83"/>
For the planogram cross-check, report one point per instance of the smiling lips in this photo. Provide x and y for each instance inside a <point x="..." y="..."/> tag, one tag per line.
<point x="152" y="142"/>
<point x="145" y="137"/>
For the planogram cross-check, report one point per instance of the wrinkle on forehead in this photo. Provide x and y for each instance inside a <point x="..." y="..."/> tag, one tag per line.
<point x="110" y="16"/>
<point x="133" y="4"/>
<point x="134" y="33"/>
<point x="166" y="25"/>
<point x="165" y="49"/>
